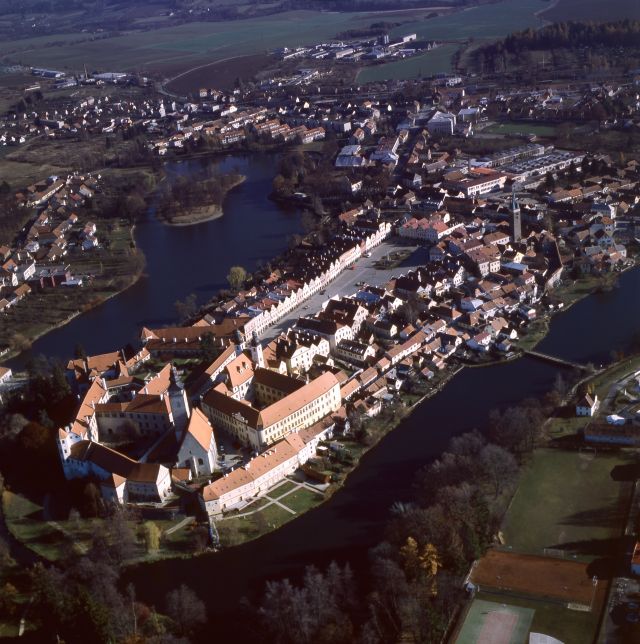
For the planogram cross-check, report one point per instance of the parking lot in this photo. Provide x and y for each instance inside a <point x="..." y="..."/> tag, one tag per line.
<point x="345" y="284"/>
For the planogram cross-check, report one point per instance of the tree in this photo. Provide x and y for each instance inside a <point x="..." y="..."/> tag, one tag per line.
<point x="187" y="308"/>
<point x="185" y="609"/>
<point x="8" y="597"/>
<point x="208" y="350"/>
<point x="430" y="564"/>
<point x="237" y="277"/>
<point x="79" y="352"/>
<point x="498" y="466"/>
<point x="517" y="428"/>
<point x="151" y="536"/>
<point x="122" y="540"/>
<point x="549" y="182"/>
<point x="91" y="500"/>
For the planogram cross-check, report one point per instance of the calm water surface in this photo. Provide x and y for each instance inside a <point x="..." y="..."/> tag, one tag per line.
<point x="182" y="260"/>
<point x="353" y="520"/>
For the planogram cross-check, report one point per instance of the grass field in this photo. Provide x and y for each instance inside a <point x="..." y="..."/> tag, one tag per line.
<point x="485" y="22"/>
<point x="301" y="500"/>
<point x="570" y="502"/>
<point x="265" y="515"/>
<point x="596" y="10"/>
<point x="521" y="128"/>
<point x="431" y="62"/>
<point x="177" y="48"/>
<point x="170" y="50"/>
<point x="482" y="612"/>
<point x="221" y="75"/>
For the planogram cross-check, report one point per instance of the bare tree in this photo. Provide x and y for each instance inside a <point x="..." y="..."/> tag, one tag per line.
<point x="186" y="609"/>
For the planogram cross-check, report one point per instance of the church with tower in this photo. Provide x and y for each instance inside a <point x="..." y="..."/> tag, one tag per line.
<point x="153" y="413"/>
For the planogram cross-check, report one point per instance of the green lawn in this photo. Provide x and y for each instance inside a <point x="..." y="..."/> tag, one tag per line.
<point x="275" y="492"/>
<point x="302" y="500"/>
<point x="23" y="518"/>
<point x="50" y="539"/>
<point x="538" y="129"/>
<point x="570" y="502"/>
<point x="235" y="531"/>
<point x="605" y="380"/>
<point x="566" y="426"/>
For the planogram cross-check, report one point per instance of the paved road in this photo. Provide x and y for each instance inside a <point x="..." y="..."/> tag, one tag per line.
<point x="345" y="283"/>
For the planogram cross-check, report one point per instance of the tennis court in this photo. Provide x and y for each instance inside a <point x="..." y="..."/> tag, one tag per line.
<point x="493" y="623"/>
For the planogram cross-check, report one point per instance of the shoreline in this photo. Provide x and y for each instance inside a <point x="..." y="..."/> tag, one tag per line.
<point x="405" y="409"/>
<point x="447" y="377"/>
<point x="86" y="308"/>
<point x="202" y="214"/>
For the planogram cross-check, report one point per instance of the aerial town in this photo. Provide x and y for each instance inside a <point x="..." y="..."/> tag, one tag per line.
<point x="437" y="364"/>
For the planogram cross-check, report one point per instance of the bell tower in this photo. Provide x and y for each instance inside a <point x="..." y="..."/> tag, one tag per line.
<point x="516" y="217"/>
<point x="256" y="351"/>
<point x="179" y="404"/>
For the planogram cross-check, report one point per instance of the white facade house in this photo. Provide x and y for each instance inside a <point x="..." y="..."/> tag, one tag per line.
<point x="587" y="405"/>
<point x="442" y="123"/>
<point x="265" y="470"/>
<point x="198" y="450"/>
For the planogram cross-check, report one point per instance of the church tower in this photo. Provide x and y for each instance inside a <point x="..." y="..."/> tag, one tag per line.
<point x="516" y="218"/>
<point x="256" y="351"/>
<point x="179" y="404"/>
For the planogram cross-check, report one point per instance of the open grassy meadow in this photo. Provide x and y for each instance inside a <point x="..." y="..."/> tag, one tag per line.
<point x="431" y="62"/>
<point x="486" y="22"/>
<point x="171" y="50"/>
<point x="570" y="502"/>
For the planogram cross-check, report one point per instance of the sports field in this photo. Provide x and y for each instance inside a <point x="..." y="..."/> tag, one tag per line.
<point x="569" y="503"/>
<point x="492" y="623"/>
<point x="549" y="618"/>
<point x="532" y="576"/>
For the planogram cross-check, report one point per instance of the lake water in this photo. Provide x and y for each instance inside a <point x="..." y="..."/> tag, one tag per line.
<point x="182" y="260"/>
<point x="253" y="229"/>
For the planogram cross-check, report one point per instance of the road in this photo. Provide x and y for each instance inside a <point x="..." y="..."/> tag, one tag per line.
<point x="345" y="283"/>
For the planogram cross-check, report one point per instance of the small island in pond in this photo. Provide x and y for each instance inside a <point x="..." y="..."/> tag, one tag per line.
<point x="184" y="202"/>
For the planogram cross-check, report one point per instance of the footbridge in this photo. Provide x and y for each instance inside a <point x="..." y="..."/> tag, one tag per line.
<point x="556" y="360"/>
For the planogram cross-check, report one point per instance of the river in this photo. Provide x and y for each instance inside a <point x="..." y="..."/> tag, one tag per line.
<point x="343" y="528"/>
<point x="183" y="260"/>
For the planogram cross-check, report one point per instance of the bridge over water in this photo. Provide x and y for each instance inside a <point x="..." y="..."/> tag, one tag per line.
<point x="556" y="360"/>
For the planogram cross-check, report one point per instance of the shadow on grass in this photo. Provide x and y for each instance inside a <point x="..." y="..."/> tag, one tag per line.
<point x="627" y="472"/>
<point x="604" y="517"/>
<point x="593" y="547"/>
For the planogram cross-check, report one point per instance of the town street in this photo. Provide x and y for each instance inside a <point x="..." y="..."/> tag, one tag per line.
<point x="345" y="284"/>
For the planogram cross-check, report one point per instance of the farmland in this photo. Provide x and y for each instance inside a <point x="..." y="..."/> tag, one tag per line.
<point x="486" y="22"/>
<point x="221" y="74"/>
<point x="172" y="50"/>
<point x="169" y="51"/>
